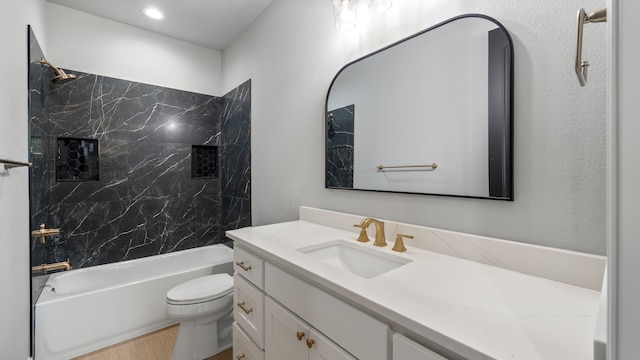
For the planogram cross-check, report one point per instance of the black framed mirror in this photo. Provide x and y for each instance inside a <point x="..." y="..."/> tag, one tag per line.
<point x="429" y="114"/>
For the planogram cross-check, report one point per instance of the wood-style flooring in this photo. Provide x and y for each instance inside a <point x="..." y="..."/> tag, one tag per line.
<point x="157" y="345"/>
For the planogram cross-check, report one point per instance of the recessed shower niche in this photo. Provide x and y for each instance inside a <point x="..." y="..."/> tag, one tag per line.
<point x="77" y="160"/>
<point x="204" y="162"/>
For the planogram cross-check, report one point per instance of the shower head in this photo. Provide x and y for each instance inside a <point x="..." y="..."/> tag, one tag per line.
<point x="61" y="76"/>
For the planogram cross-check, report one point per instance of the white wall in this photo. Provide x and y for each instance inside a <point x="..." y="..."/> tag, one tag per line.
<point x="292" y="52"/>
<point x="15" y="272"/>
<point x="87" y="43"/>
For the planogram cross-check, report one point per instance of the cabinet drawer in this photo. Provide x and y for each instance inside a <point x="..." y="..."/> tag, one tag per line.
<point x="249" y="266"/>
<point x="360" y="334"/>
<point x="248" y="309"/>
<point x="243" y="347"/>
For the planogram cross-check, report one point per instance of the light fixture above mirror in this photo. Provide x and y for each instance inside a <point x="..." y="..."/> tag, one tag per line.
<point x="345" y="12"/>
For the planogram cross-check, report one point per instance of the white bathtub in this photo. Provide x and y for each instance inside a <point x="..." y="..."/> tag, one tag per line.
<point x="87" y="309"/>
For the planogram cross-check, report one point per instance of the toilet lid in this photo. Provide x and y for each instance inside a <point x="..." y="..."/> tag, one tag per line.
<point x="201" y="289"/>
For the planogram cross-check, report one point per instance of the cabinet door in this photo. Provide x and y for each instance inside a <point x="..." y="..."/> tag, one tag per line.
<point x="285" y="335"/>
<point x="325" y="349"/>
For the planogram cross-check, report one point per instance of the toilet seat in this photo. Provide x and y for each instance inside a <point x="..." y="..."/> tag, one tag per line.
<point x="200" y="290"/>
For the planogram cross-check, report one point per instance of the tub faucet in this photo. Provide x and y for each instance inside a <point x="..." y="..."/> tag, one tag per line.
<point x="380" y="240"/>
<point x="45" y="268"/>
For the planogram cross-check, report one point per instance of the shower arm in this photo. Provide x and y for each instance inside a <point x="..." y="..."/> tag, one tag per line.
<point x="60" y="74"/>
<point x="53" y="67"/>
<point x="595" y="17"/>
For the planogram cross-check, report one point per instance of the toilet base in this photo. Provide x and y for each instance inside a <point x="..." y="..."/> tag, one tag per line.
<point x="202" y="338"/>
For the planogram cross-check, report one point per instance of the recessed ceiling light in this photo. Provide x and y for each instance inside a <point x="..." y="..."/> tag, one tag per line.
<point x="153" y="13"/>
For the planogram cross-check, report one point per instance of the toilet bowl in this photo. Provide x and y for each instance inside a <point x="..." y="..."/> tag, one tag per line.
<point x="203" y="306"/>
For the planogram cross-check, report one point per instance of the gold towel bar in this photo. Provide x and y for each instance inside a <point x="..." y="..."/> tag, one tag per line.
<point x="431" y="166"/>
<point x="8" y="164"/>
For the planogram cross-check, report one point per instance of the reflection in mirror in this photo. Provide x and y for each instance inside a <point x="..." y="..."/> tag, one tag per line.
<point x="340" y="147"/>
<point x="430" y="114"/>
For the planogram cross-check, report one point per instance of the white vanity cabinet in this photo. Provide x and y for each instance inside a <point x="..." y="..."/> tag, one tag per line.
<point x="359" y="334"/>
<point x="455" y="296"/>
<point x="283" y="317"/>
<point x="288" y="337"/>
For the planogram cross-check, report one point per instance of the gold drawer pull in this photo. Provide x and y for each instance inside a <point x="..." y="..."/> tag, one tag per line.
<point x="240" y="357"/>
<point x="310" y="343"/>
<point x="241" y="305"/>
<point x="300" y="335"/>
<point x="243" y="266"/>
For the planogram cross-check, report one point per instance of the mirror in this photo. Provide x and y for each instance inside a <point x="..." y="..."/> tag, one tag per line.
<point x="429" y="114"/>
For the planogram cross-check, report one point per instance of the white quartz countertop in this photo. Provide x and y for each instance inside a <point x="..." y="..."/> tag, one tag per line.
<point x="477" y="311"/>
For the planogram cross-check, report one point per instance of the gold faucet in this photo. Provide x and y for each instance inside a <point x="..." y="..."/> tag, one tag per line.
<point x="45" y="268"/>
<point x="399" y="245"/>
<point x="380" y="240"/>
<point x="43" y="233"/>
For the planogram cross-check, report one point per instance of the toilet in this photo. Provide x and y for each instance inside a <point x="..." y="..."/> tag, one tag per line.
<point x="203" y="306"/>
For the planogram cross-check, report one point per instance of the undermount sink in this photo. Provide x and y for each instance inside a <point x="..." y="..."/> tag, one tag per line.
<point x="355" y="258"/>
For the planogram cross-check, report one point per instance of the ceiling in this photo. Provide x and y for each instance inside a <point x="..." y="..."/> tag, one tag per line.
<point x="210" y="23"/>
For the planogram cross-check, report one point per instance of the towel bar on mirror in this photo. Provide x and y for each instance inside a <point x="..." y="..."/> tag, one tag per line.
<point x="430" y="166"/>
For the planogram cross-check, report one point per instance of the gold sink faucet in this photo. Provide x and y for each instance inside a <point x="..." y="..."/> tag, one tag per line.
<point x="399" y="246"/>
<point x="380" y="240"/>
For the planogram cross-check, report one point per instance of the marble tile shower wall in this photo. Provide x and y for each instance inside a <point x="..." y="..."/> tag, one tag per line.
<point x="38" y="88"/>
<point x="145" y="201"/>
<point x="236" y="153"/>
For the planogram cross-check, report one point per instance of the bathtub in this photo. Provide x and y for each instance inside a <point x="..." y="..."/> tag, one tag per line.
<point x="83" y="310"/>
